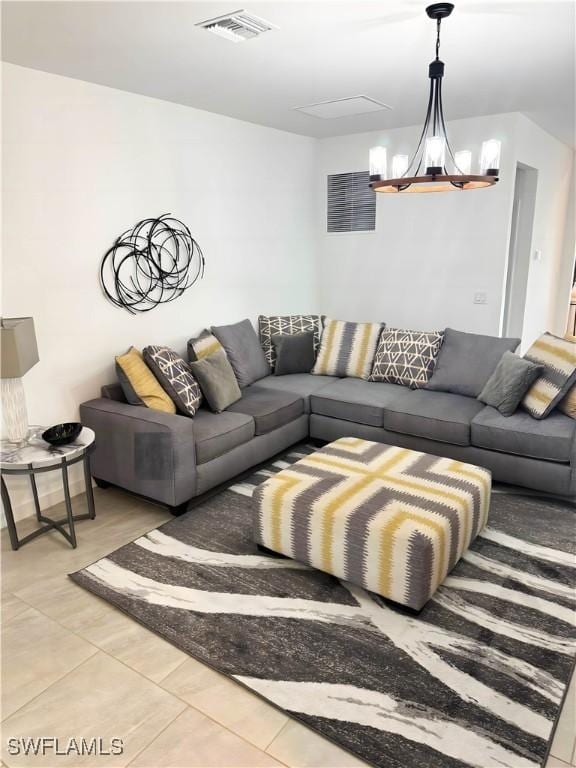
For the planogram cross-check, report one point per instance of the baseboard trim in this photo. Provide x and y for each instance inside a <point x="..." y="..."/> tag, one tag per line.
<point x="25" y="508"/>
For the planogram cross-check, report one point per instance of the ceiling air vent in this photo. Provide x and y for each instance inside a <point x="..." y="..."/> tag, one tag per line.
<point x="237" y="26"/>
<point x="350" y="105"/>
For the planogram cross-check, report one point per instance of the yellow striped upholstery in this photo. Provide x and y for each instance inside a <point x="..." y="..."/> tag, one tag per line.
<point x="568" y="403"/>
<point x="347" y="349"/>
<point x="558" y="356"/>
<point x="392" y="520"/>
<point x="203" y="345"/>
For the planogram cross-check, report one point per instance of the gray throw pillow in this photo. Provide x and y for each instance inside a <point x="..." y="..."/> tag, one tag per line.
<point x="466" y="362"/>
<point x="286" y="325"/>
<point x="130" y="393"/>
<point x="294" y="354"/>
<point x="217" y="381"/>
<point x="509" y="383"/>
<point x="244" y="352"/>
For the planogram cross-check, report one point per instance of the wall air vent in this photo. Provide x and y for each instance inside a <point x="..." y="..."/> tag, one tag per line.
<point x="237" y="26"/>
<point x="351" y="203"/>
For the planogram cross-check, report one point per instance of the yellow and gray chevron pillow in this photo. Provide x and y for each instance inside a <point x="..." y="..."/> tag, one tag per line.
<point x="558" y="356"/>
<point x="202" y="346"/>
<point x="347" y="349"/>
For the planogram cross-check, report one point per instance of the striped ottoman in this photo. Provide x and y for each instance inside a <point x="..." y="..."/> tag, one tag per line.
<point x="389" y="519"/>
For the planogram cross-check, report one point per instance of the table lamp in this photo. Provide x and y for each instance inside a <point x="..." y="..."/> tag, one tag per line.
<point x="19" y="353"/>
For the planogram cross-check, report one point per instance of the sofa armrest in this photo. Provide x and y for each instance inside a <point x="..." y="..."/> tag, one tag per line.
<point x="144" y="451"/>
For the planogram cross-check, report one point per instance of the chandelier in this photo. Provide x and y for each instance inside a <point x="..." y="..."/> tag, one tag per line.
<point x="434" y="167"/>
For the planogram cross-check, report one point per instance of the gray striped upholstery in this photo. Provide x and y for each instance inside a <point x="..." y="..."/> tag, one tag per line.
<point x="391" y="520"/>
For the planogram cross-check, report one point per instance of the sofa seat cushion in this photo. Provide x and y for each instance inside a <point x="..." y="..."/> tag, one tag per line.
<point x="269" y="409"/>
<point x="302" y="384"/>
<point x="362" y="402"/>
<point x="550" y="439"/>
<point x="436" y="415"/>
<point x="217" y="433"/>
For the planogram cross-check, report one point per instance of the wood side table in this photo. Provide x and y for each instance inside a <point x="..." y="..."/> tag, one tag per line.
<point x="35" y="457"/>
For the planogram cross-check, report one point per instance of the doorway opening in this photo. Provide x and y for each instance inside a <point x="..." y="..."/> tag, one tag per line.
<point x="520" y="248"/>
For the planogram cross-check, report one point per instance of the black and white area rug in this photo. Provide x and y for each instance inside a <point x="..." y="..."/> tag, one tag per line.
<point x="477" y="678"/>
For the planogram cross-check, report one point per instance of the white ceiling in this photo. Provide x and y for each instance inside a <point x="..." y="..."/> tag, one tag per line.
<point x="501" y="56"/>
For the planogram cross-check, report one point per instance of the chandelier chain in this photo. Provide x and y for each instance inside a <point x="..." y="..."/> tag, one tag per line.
<point x="438" y="22"/>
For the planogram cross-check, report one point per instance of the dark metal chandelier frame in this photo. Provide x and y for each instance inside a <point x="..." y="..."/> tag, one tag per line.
<point x="436" y="178"/>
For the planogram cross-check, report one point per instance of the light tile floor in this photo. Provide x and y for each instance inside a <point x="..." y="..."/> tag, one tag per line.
<point x="74" y="666"/>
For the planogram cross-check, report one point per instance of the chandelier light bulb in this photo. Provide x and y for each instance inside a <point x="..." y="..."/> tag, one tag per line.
<point x="490" y="157"/>
<point x="463" y="162"/>
<point x="378" y="163"/>
<point x="399" y="166"/>
<point x="435" y="155"/>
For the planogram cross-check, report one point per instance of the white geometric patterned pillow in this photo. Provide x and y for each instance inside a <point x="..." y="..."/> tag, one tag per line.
<point x="558" y="356"/>
<point x="406" y="357"/>
<point x="286" y="325"/>
<point x="175" y="377"/>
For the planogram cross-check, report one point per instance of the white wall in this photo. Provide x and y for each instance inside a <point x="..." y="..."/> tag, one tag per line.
<point x="431" y="253"/>
<point x="83" y="163"/>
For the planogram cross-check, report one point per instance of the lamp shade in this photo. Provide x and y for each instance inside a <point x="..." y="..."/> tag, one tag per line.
<point x="18" y="346"/>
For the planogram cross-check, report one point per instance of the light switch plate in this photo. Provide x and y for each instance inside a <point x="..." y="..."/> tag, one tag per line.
<point x="480" y="297"/>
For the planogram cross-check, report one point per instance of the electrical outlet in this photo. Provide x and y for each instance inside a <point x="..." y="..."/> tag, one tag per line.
<point x="480" y="297"/>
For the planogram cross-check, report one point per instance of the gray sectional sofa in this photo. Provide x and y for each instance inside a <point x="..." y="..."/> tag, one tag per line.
<point x="172" y="459"/>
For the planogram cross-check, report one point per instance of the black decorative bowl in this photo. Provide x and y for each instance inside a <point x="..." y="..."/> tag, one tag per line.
<point x="62" y="434"/>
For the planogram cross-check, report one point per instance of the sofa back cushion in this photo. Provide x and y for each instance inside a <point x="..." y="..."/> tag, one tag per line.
<point x="176" y="378"/>
<point x="347" y="349"/>
<point x="558" y="356"/>
<point x="113" y="391"/>
<point x="466" y="361"/>
<point x="244" y="352"/>
<point x="286" y="325"/>
<point x="139" y="384"/>
<point x="406" y="357"/>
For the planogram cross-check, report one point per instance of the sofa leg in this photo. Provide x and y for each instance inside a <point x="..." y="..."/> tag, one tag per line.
<point x="179" y="509"/>
<point x="101" y="483"/>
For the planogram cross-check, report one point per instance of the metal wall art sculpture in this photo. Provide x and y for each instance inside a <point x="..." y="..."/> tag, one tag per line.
<point x="152" y="263"/>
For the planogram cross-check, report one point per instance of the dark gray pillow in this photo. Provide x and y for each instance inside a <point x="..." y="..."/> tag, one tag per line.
<point x="217" y="381"/>
<point x="509" y="383"/>
<point x="244" y="352"/>
<point x="173" y="374"/>
<point x="466" y="362"/>
<point x="294" y="353"/>
<point x="129" y="392"/>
